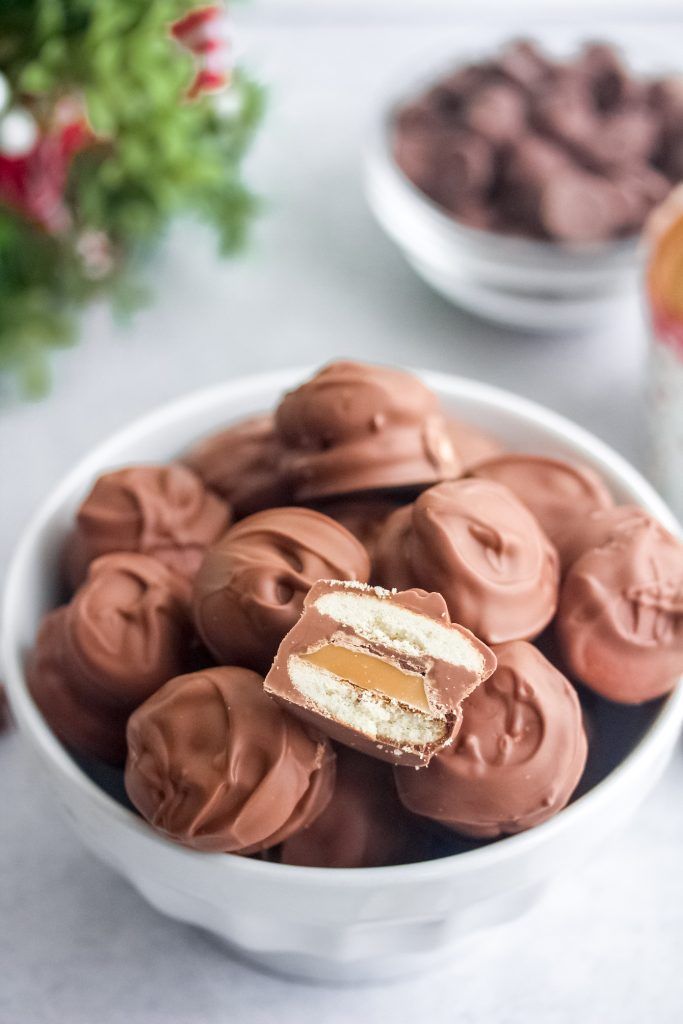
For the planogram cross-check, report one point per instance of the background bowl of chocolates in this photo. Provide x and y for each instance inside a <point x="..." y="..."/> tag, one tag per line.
<point x="347" y="669"/>
<point x="517" y="185"/>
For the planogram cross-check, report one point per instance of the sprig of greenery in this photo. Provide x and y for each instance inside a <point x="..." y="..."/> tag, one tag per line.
<point x="155" y="156"/>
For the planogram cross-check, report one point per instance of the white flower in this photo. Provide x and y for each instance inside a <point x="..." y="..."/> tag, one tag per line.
<point x="18" y="133"/>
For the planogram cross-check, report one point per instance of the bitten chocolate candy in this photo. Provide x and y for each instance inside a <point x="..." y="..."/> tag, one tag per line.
<point x="364" y="825"/>
<point x="554" y="490"/>
<point x="251" y="586"/>
<point x="162" y="511"/>
<point x="125" y="632"/>
<point x="474" y="542"/>
<point x="620" y="620"/>
<point x="355" y="427"/>
<point x="215" y="764"/>
<point x="242" y="464"/>
<point x="382" y="672"/>
<point x="517" y="759"/>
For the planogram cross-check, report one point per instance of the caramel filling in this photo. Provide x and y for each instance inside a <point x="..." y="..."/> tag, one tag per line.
<point x="369" y="672"/>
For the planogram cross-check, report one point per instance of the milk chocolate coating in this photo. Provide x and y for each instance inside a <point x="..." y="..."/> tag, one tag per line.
<point x="578" y="208"/>
<point x="363" y="826"/>
<point x="582" y="533"/>
<point x="446" y="685"/>
<point x="251" y="586"/>
<point x="363" y="516"/>
<point x="162" y="511"/>
<point x="620" y="620"/>
<point x="125" y="632"/>
<point x="517" y="759"/>
<point x="472" y="446"/>
<point x="215" y="764"/>
<point x="556" y="150"/>
<point x="355" y="427"/>
<point x="242" y="464"/>
<point x="83" y="723"/>
<point x="554" y="490"/>
<point x="128" y="629"/>
<point x="474" y="542"/>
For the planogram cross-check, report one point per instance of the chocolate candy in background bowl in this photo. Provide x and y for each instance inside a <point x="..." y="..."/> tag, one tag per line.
<point x="527" y="218"/>
<point x="321" y="923"/>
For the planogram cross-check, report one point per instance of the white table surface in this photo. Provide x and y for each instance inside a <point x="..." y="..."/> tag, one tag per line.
<point x="77" y="945"/>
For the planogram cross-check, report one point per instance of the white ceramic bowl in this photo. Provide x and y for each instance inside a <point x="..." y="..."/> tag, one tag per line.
<point x="528" y="284"/>
<point x="317" y="923"/>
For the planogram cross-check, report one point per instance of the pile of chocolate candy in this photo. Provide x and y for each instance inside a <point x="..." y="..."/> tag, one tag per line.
<point x="576" y="152"/>
<point x="312" y="638"/>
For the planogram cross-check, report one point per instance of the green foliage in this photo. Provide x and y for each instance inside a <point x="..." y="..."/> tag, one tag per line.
<point x="156" y="156"/>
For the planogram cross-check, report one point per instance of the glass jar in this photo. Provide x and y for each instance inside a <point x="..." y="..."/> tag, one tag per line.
<point x="664" y="290"/>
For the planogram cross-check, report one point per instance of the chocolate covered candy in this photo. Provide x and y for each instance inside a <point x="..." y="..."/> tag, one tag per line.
<point x="382" y="672"/>
<point x="125" y="632"/>
<point x="620" y="620"/>
<point x="471" y="445"/>
<point x="474" y="542"/>
<point x="215" y="764"/>
<point x="575" y="152"/>
<point x="496" y="111"/>
<point x="162" y="511"/>
<point x="363" y="826"/>
<point x="555" y="490"/>
<point x="242" y="464"/>
<point x="582" y="533"/>
<point x="251" y="586"/>
<point x="363" y="515"/>
<point x="84" y="723"/>
<point x="517" y="759"/>
<point x="355" y="427"/>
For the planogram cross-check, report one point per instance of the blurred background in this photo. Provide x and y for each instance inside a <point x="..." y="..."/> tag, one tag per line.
<point x="317" y="278"/>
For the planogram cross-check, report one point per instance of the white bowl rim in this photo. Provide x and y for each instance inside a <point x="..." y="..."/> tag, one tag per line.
<point x="663" y="728"/>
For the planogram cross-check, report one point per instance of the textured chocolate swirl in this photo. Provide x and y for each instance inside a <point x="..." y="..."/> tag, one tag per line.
<point x="554" y="490"/>
<point x="620" y="620"/>
<point x="242" y="464"/>
<point x="162" y="511"/>
<point x="363" y="826"/>
<point x="517" y="759"/>
<point x="474" y="542"/>
<point x="355" y="427"/>
<point x="215" y="764"/>
<point x="251" y="586"/>
<point x="81" y="722"/>
<point x="126" y="631"/>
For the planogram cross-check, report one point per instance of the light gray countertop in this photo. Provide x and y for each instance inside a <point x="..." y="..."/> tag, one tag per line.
<point x="77" y="945"/>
